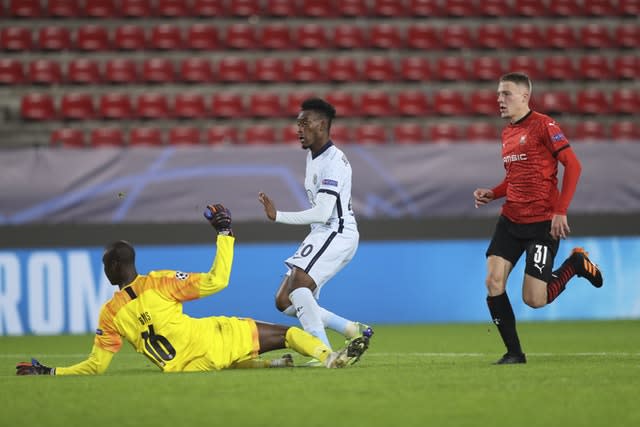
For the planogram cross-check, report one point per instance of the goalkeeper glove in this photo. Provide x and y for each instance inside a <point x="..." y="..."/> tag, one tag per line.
<point x="34" y="368"/>
<point x="220" y="218"/>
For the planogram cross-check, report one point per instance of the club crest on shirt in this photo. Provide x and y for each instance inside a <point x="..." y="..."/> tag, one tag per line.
<point x="330" y="182"/>
<point x="523" y="139"/>
<point x="181" y="276"/>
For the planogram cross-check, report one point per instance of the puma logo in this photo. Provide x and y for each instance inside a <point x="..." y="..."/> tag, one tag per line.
<point x="539" y="267"/>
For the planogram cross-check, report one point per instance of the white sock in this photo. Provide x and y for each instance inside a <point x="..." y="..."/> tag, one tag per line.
<point x="308" y="312"/>
<point x="290" y="311"/>
<point x="337" y="323"/>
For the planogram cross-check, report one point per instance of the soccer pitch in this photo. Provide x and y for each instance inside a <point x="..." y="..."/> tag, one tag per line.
<point x="578" y="374"/>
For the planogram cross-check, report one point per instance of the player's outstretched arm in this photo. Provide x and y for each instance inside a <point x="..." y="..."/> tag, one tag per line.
<point x="218" y="276"/>
<point x="97" y="362"/>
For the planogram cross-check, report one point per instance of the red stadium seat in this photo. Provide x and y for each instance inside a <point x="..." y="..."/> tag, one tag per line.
<point x="376" y="103"/>
<point x="345" y="103"/>
<point x="45" y="72"/>
<point x="290" y="134"/>
<point x="626" y="67"/>
<point x="311" y="36"/>
<point x="11" y="72"/>
<point x="84" y="71"/>
<point x="625" y="101"/>
<point x="525" y="64"/>
<point x="595" y="67"/>
<point x="561" y="36"/>
<point x="152" y="105"/>
<point x="625" y="131"/>
<point x="67" y="137"/>
<point x="16" y="38"/>
<point x="158" y="70"/>
<point x="529" y="8"/>
<point x="227" y="105"/>
<point x="295" y="99"/>
<point x="265" y="105"/>
<point x="145" y="136"/>
<point x="456" y="37"/>
<point x="281" y="8"/>
<point x="423" y="37"/>
<point x="63" y="8"/>
<point x="370" y="133"/>
<point x="627" y="36"/>
<point x="115" y="105"/>
<point x="202" y="37"/>
<point x="259" y="134"/>
<point x="241" y="36"/>
<point x="592" y="101"/>
<point x="481" y="131"/>
<point x="136" y="8"/>
<point x="189" y="105"/>
<point x="484" y="102"/>
<point x="459" y="8"/>
<point x="276" y="36"/>
<point x="166" y="37"/>
<point x="106" y="136"/>
<point x="346" y="36"/>
<point x="318" y="8"/>
<point x="196" y="70"/>
<point x="25" y="8"/>
<point x="412" y="103"/>
<point x="385" y="36"/>
<point x="447" y="102"/>
<point x="221" y="134"/>
<point x="184" y="135"/>
<point x="486" y="68"/>
<point x="103" y="9"/>
<point x="232" y="69"/>
<point x="92" y="38"/>
<point x="352" y="8"/>
<point x="121" y="71"/>
<point x="37" y="106"/>
<point x="560" y="67"/>
<point x="408" y="133"/>
<point x="379" y="69"/>
<point x="415" y="68"/>
<point x="341" y="134"/>
<point x="269" y="69"/>
<point x="307" y="69"/>
<point x="589" y="130"/>
<point x="629" y="7"/>
<point x="495" y="8"/>
<point x="343" y="69"/>
<point x="492" y="36"/>
<point x="595" y="36"/>
<point x="209" y="8"/>
<point x="555" y="103"/>
<point x="77" y="106"/>
<point x="129" y="37"/>
<point x="444" y="132"/>
<point x="245" y="8"/>
<point x="602" y="8"/>
<point x="452" y="68"/>
<point x="424" y="8"/>
<point x="388" y="9"/>
<point x="565" y="8"/>
<point x="172" y="8"/>
<point x="527" y="36"/>
<point x="53" y="38"/>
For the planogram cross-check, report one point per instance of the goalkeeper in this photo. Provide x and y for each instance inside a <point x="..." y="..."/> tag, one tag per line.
<point x="147" y="312"/>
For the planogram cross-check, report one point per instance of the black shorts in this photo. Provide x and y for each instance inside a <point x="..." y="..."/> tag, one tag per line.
<point x="510" y="240"/>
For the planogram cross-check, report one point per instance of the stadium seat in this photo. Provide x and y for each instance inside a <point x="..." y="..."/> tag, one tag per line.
<point x="265" y="105"/>
<point x="595" y="67"/>
<point x="116" y="106"/>
<point x="53" y="39"/>
<point x="84" y="71"/>
<point x="589" y="130"/>
<point x="529" y="8"/>
<point x="172" y="8"/>
<point x="136" y="8"/>
<point x="486" y="68"/>
<point x="67" y="137"/>
<point x="37" y="106"/>
<point x="189" y="105"/>
<point x="276" y="37"/>
<point x="423" y="37"/>
<point x="294" y="100"/>
<point x="495" y="8"/>
<point x="444" y="132"/>
<point x="626" y="67"/>
<point x="77" y="106"/>
<point x="343" y="69"/>
<point x="557" y="102"/>
<point x="492" y="36"/>
<point x="129" y="37"/>
<point x="259" y="134"/>
<point x="233" y="69"/>
<point x="370" y="133"/>
<point x="595" y="36"/>
<point x="307" y="69"/>
<point x="158" y="70"/>
<point x="527" y="36"/>
<point x="209" y="8"/>
<point x="227" y="105"/>
<point x="106" y="136"/>
<point x="484" y="102"/>
<point x="376" y="103"/>
<point x="121" y="71"/>
<point x="92" y="38"/>
<point x="152" y="105"/>
<point x="352" y="8"/>
<point x="388" y="9"/>
<point x="16" y="38"/>
<point x="385" y="36"/>
<point x="592" y="101"/>
<point x="221" y="134"/>
<point x="525" y="64"/>
<point x="481" y="132"/>
<point x="447" y="102"/>
<point x="245" y="8"/>
<point x="25" y="8"/>
<point x="622" y="131"/>
<point x="451" y="68"/>
<point x="270" y="70"/>
<point x="317" y="8"/>
<point x="141" y="136"/>
<point x="311" y="36"/>
<point x="63" y="8"/>
<point x="345" y="103"/>
<point x="603" y="8"/>
<point x="11" y="72"/>
<point x="424" y="8"/>
<point x="202" y="37"/>
<point x="379" y="68"/>
<point x="459" y="8"/>
<point x="290" y="134"/>
<point x="166" y="37"/>
<point x="565" y="8"/>
<point x="281" y="8"/>
<point x="45" y="72"/>
<point x="184" y="135"/>
<point x="627" y="36"/>
<point x="415" y="68"/>
<point x="560" y="67"/>
<point x="102" y="9"/>
<point x="561" y="36"/>
<point x="456" y="37"/>
<point x="240" y="36"/>
<point x="346" y="36"/>
<point x="625" y="101"/>
<point x="408" y="133"/>
<point x="341" y="134"/>
<point x="196" y="70"/>
<point x="412" y="103"/>
<point x="629" y="7"/>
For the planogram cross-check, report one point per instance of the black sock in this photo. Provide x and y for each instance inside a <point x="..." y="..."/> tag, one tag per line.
<point x="503" y="317"/>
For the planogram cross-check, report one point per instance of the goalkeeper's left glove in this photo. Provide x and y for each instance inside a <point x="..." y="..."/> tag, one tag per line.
<point x="34" y="368"/>
<point x="220" y="218"/>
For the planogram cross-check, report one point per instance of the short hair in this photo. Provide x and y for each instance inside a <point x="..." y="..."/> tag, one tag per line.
<point x="320" y="106"/>
<point x="518" y="78"/>
<point x="121" y="251"/>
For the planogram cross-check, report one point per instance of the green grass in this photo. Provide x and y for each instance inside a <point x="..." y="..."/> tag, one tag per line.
<point x="579" y="374"/>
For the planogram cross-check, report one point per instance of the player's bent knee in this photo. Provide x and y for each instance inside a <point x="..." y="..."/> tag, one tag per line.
<point x="535" y="301"/>
<point x="495" y="285"/>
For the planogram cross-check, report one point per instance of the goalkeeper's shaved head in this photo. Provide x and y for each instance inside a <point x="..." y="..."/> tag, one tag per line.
<point x="119" y="262"/>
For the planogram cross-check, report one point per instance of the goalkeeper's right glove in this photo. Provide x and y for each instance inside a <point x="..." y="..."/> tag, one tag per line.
<point x="220" y="218"/>
<point x="34" y="368"/>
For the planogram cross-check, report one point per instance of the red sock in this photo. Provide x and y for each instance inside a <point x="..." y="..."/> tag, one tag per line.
<point x="559" y="280"/>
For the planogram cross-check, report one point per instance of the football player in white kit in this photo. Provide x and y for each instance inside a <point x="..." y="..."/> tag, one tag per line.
<point x="334" y="236"/>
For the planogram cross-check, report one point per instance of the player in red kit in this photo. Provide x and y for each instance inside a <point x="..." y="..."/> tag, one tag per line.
<point x="534" y="215"/>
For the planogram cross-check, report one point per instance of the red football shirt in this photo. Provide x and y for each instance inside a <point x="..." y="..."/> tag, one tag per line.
<point x="531" y="148"/>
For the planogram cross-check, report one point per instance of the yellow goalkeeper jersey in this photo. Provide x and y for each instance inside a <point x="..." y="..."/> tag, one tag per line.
<point x="148" y="314"/>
